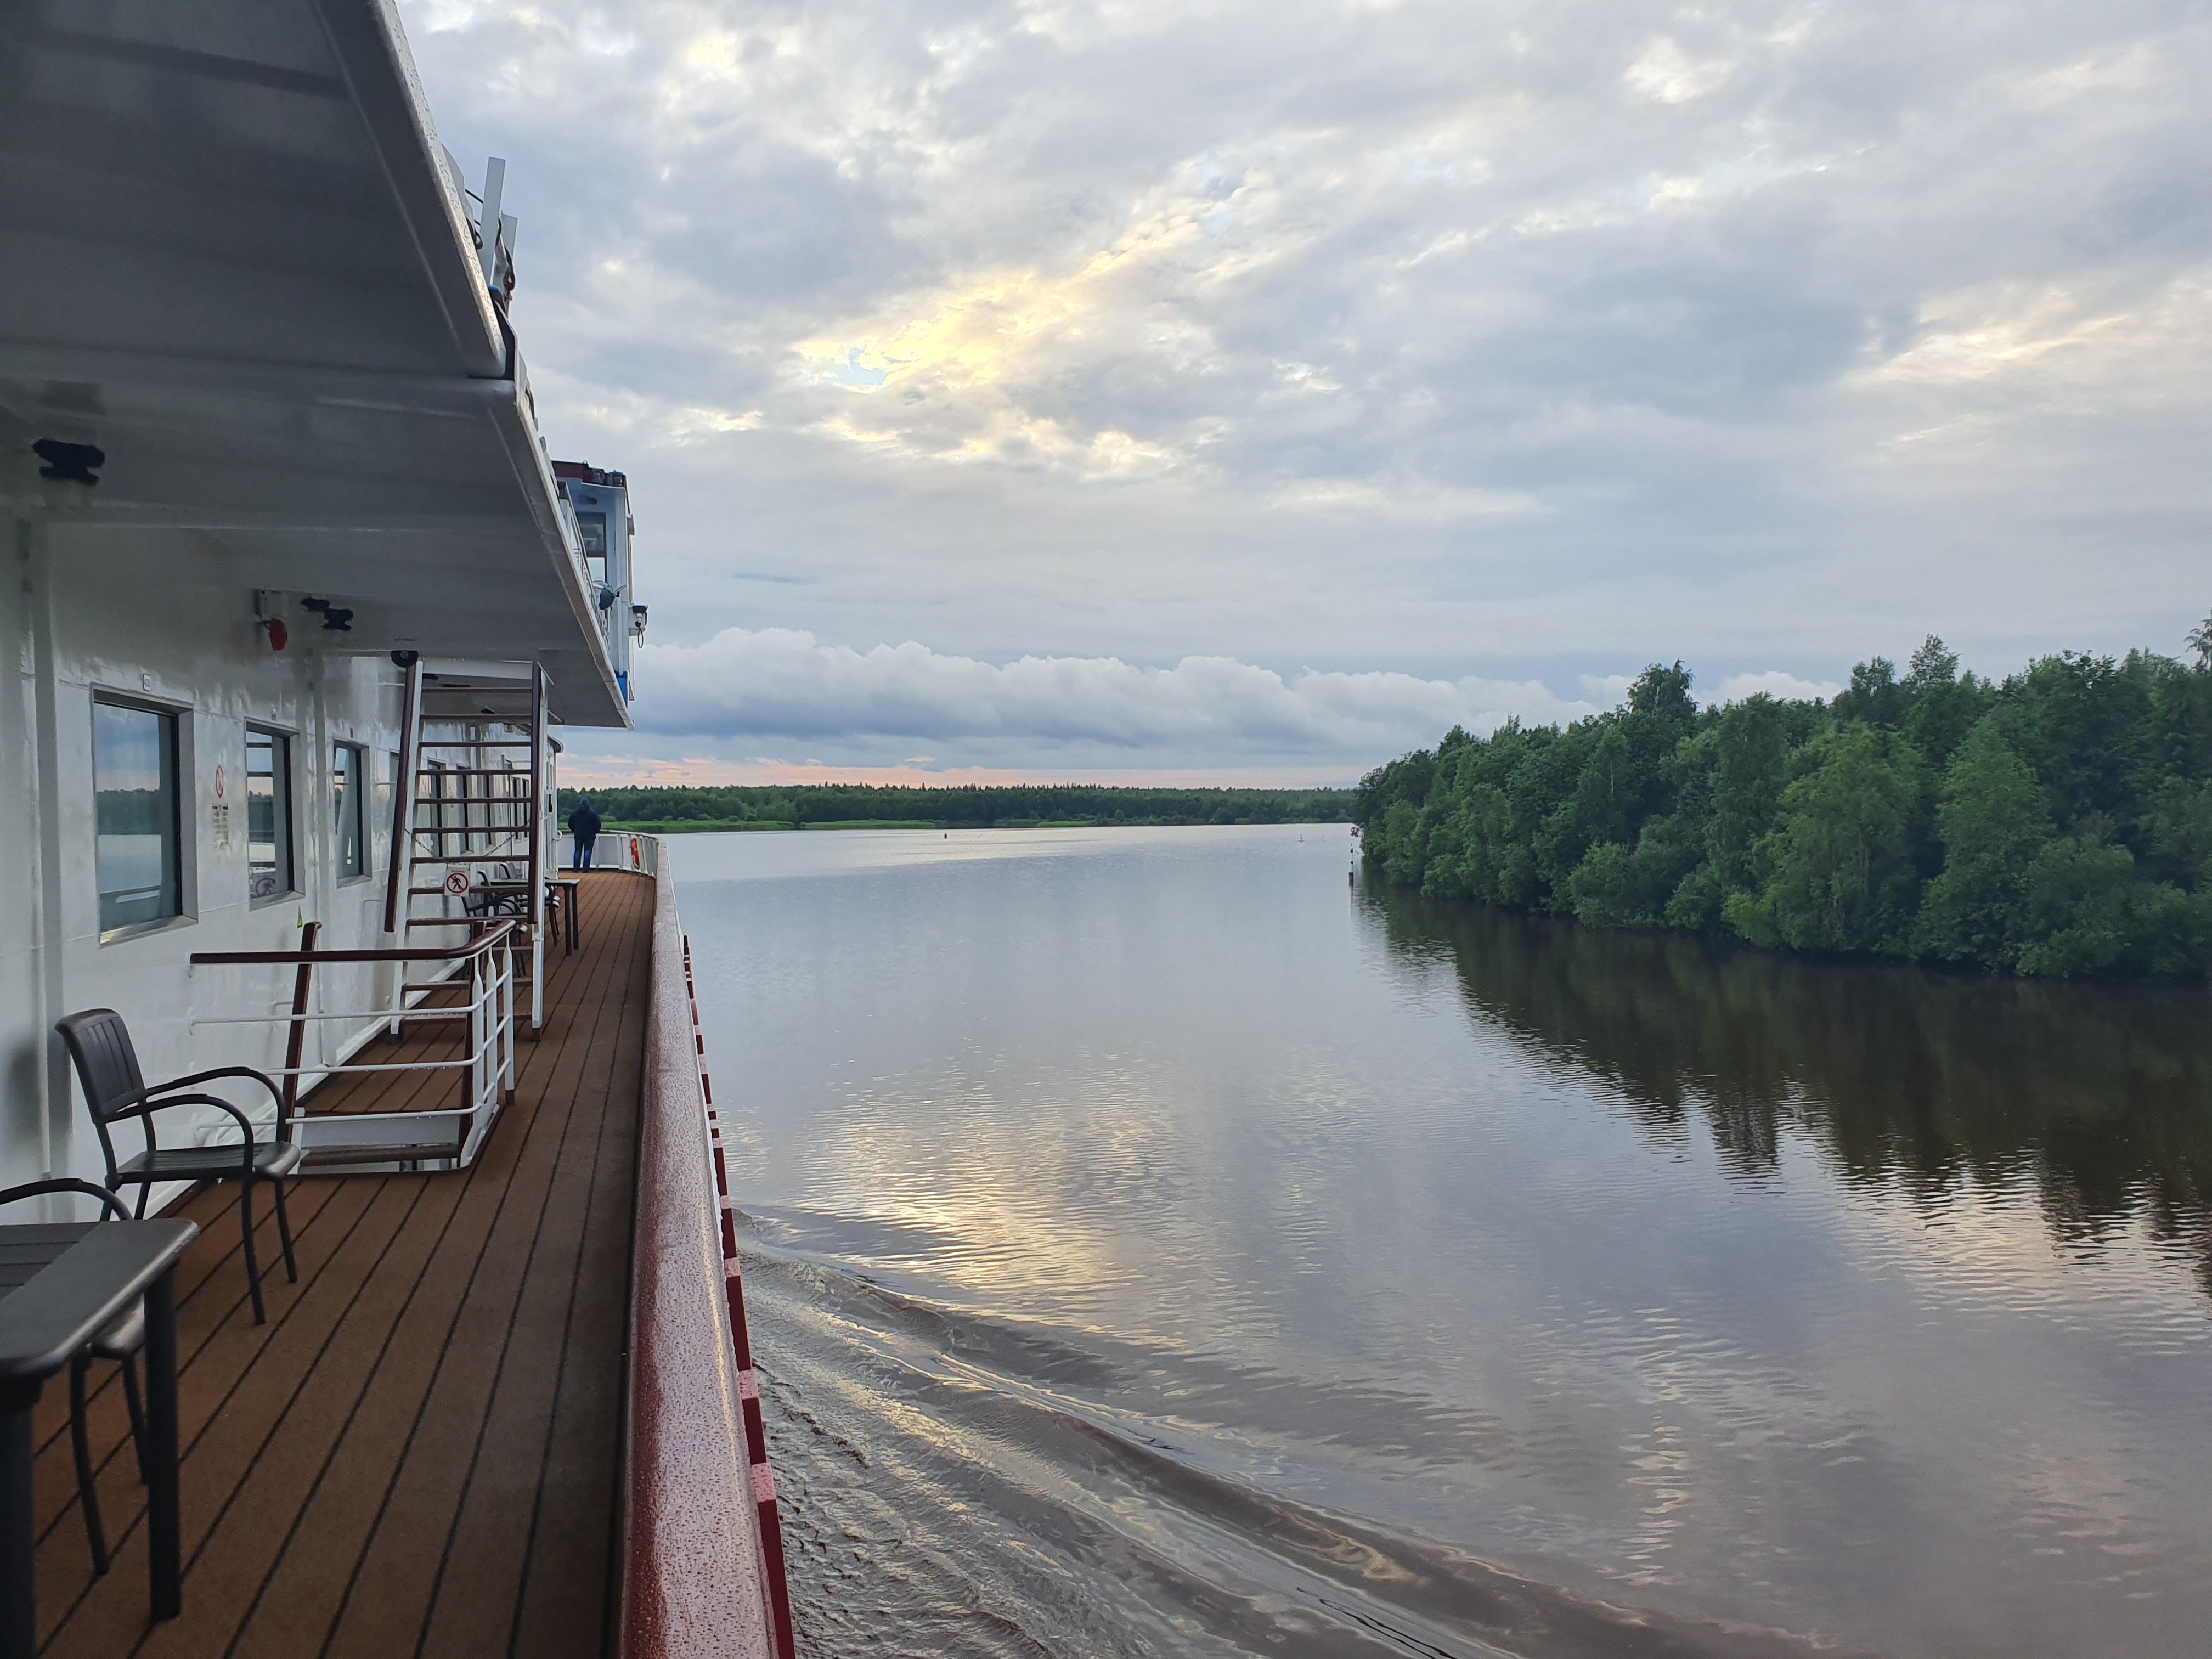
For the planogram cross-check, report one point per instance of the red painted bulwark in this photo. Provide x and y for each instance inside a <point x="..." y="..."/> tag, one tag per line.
<point x="692" y="1565"/>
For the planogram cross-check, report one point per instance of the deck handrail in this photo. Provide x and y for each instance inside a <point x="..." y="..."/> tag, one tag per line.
<point x="487" y="1064"/>
<point x="633" y="852"/>
<point x="475" y="947"/>
<point x="694" y="1574"/>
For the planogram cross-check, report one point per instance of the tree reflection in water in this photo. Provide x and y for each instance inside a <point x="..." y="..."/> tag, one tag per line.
<point x="2100" y="1095"/>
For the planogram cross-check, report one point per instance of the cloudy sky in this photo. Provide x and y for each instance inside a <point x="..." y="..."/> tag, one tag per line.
<point x="1249" y="391"/>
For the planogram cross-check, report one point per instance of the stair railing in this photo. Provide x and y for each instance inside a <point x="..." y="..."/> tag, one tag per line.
<point x="402" y="794"/>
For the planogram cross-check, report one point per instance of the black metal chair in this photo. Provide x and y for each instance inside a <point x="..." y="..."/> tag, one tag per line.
<point x="108" y="1068"/>
<point x="501" y="892"/>
<point x="119" y="1343"/>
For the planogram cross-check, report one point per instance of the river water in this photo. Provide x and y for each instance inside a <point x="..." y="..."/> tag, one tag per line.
<point x="1156" y="1245"/>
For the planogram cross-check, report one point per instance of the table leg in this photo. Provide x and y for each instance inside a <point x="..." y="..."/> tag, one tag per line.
<point x="162" y="1528"/>
<point x="19" y="1538"/>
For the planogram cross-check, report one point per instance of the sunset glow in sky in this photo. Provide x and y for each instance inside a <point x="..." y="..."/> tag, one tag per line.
<point x="1247" y="393"/>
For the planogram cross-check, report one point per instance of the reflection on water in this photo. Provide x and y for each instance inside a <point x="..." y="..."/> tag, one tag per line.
<point x="1156" y="1247"/>
<point x="2101" y="1096"/>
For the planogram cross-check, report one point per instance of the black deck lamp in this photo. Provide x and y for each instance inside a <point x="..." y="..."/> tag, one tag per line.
<point x="68" y="463"/>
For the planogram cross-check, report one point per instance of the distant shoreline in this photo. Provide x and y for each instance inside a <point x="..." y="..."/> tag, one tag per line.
<point x="739" y="807"/>
<point x="728" y="826"/>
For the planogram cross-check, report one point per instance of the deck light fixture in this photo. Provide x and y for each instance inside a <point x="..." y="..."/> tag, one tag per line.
<point x="68" y="463"/>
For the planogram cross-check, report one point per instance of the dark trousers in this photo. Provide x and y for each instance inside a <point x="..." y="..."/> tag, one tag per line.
<point x="584" y="851"/>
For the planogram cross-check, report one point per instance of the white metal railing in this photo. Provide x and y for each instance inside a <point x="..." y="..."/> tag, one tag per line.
<point x="616" y="849"/>
<point x="482" y="970"/>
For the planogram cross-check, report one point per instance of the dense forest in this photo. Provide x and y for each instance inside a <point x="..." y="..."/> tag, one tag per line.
<point x="970" y="806"/>
<point x="2057" y="822"/>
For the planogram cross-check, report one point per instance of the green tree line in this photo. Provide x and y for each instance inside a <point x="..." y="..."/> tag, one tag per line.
<point x="2056" y="822"/>
<point x="132" y="811"/>
<point x="967" y="806"/>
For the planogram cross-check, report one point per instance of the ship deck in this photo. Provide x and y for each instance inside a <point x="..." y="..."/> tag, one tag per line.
<point x="418" y="1454"/>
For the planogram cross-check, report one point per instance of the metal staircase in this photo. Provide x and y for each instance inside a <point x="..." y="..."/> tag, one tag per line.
<point x="471" y="832"/>
<point x="472" y="813"/>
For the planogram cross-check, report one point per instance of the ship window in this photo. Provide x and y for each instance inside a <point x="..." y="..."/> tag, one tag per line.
<point x="348" y="783"/>
<point x="268" y="813"/>
<point x="592" y="533"/>
<point x="136" y="830"/>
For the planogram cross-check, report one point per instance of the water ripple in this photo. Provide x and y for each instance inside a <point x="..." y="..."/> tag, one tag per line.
<point x="1155" y="1251"/>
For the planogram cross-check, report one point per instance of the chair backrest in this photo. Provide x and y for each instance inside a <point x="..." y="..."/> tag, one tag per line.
<point x="99" y="1047"/>
<point x="107" y="1065"/>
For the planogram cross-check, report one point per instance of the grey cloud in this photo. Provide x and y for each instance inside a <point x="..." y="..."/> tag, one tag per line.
<point x="1505" y="340"/>
<point x="778" y="686"/>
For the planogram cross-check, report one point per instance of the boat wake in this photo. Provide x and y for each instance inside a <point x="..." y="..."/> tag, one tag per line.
<point x="958" y="1484"/>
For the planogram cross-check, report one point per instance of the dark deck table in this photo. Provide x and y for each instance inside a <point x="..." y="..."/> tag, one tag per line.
<point x="512" y="898"/>
<point x="567" y="892"/>
<point x="61" y="1284"/>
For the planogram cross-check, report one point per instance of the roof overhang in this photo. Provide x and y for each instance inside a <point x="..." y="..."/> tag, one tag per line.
<point x="234" y="257"/>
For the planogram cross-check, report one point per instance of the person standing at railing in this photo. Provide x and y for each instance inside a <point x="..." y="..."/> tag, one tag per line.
<point x="584" y="825"/>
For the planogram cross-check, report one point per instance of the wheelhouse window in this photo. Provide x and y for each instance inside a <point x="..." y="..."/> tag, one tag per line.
<point x="136" y="827"/>
<point x="349" y="810"/>
<point x="268" y="813"/>
<point x="592" y="535"/>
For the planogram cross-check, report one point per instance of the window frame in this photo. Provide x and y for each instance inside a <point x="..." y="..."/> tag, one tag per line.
<point x="357" y="792"/>
<point x="288" y="828"/>
<point x="178" y="856"/>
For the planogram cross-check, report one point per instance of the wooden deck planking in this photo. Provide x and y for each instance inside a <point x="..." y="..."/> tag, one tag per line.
<point x="398" y="1579"/>
<point x="564" y="1587"/>
<point x="488" y="1544"/>
<point x="418" y="1453"/>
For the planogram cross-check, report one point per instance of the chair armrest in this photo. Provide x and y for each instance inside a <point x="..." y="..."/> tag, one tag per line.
<point x="284" y="1119"/>
<point x="244" y="1123"/>
<point x="197" y="1078"/>
<point x="64" y="1184"/>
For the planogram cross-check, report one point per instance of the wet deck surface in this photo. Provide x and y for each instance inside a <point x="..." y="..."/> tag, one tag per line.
<point x="417" y="1454"/>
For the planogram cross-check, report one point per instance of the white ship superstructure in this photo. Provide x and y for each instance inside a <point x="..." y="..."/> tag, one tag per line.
<point x="300" y="606"/>
<point x="248" y="312"/>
